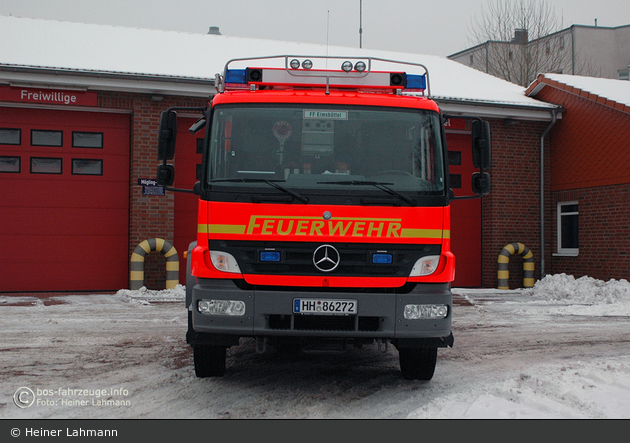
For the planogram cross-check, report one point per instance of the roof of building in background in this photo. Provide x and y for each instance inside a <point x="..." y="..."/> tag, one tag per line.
<point x="104" y="52"/>
<point x="610" y="92"/>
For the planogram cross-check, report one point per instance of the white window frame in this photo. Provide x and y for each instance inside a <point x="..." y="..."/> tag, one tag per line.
<point x="560" y="214"/>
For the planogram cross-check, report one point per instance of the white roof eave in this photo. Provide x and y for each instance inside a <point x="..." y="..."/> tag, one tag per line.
<point x="32" y="76"/>
<point x="104" y="81"/>
<point x="503" y="110"/>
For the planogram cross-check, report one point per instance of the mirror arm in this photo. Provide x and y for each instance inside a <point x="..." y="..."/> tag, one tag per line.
<point x="196" y="127"/>
<point x="189" y="191"/>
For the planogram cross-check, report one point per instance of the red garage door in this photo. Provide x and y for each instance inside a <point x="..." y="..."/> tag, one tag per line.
<point x="465" y="214"/>
<point x="64" y="177"/>
<point x="187" y="162"/>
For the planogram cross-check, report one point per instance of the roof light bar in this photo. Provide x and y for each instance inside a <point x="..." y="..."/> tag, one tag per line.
<point x="357" y="75"/>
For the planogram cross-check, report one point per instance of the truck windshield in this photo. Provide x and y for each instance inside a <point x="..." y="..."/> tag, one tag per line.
<point x="312" y="148"/>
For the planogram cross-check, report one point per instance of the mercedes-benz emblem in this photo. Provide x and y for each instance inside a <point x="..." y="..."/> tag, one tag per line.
<point x="326" y="258"/>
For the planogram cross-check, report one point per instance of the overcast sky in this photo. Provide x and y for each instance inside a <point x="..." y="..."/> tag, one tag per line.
<point x="437" y="27"/>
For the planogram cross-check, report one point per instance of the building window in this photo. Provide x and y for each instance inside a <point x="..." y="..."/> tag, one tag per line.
<point x="568" y="228"/>
<point x="10" y="136"/>
<point x="455" y="181"/>
<point x="454" y="158"/>
<point x="562" y="42"/>
<point x="548" y="47"/>
<point x="624" y="74"/>
<point x="87" y="140"/>
<point x="82" y="166"/>
<point x="9" y="164"/>
<point x="42" y="165"/>
<point x="471" y="59"/>
<point x="46" y="138"/>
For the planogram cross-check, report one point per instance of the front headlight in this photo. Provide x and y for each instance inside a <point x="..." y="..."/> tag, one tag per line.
<point x="224" y="262"/>
<point x="221" y="307"/>
<point x="425" y="266"/>
<point x="416" y="312"/>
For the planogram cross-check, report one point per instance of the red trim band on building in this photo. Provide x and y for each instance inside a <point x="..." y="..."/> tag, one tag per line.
<point x="48" y="96"/>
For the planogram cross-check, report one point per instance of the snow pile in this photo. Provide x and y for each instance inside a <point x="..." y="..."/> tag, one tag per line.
<point x="583" y="296"/>
<point x="582" y="290"/>
<point x="144" y="295"/>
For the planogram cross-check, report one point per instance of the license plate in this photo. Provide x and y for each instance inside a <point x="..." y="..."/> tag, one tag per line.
<point x="321" y="306"/>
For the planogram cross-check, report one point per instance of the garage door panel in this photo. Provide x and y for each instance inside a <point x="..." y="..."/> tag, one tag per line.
<point x="66" y="231"/>
<point x="42" y="221"/>
<point x="35" y="249"/>
<point x="113" y="168"/>
<point x="64" y="277"/>
<point x="66" y="194"/>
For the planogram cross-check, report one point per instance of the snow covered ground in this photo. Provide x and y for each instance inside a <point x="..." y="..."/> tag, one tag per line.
<point x="558" y="350"/>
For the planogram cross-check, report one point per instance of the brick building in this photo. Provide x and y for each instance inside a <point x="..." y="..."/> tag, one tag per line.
<point x="589" y="175"/>
<point x="79" y="112"/>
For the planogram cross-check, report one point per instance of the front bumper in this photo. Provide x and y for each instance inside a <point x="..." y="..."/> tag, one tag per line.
<point x="269" y="313"/>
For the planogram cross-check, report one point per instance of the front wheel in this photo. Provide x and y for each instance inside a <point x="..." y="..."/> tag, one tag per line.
<point x="209" y="360"/>
<point x="417" y="363"/>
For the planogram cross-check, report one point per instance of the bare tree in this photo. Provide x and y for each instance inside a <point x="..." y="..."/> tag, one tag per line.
<point x="518" y="39"/>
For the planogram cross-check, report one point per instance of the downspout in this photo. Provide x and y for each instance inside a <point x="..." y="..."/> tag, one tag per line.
<point x="554" y="114"/>
<point x="573" y="50"/>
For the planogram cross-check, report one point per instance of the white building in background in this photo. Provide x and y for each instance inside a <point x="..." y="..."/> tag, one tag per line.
<point x="594" y="51"/>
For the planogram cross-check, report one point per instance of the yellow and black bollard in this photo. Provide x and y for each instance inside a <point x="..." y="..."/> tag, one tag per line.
<point x="503" y="273"/>
<point x="136" y="274"/>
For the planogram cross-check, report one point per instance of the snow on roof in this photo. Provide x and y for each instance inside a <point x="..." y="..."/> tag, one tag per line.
<point x="611" y="89"/>
<point x="113" y="49"/>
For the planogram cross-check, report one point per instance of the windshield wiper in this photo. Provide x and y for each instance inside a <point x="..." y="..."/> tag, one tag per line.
<point x="264" y="180"/>
<point x="379" y="185"/>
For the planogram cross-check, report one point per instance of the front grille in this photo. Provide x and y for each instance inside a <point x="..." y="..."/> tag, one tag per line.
<point x="323" y="323"/>
<point x="297" y="258"/>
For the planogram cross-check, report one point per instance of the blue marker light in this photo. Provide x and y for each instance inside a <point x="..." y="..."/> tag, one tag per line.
<point x="270" y="256"/>
<point x="416" y="82"/>
<point x="236" y="76"/>
<point x="382" y="259"/>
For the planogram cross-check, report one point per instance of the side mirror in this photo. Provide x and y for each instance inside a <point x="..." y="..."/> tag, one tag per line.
<point x="481" y="183"/>
<point x="165" y="175"/>
<point x="481" y="143"/>
<point x="167" y="135"/>
<point x="197" y="126"/>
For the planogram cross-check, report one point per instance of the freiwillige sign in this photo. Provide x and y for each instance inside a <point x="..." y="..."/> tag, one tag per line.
<point x="48" y="96"/>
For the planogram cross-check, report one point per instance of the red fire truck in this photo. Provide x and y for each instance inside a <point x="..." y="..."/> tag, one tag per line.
<point x="323" y="211"/>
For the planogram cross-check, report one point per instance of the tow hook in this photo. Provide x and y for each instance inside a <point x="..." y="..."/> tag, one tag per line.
<point x="261" y="345"/>
<point x="383" y="345"/>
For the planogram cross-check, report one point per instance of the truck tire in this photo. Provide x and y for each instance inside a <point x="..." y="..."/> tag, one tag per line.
<point x="209" y="360"/>
<point x="417" y="363"/>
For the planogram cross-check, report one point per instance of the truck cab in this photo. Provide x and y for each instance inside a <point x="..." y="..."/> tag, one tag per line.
<point x="323" y="211"/>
